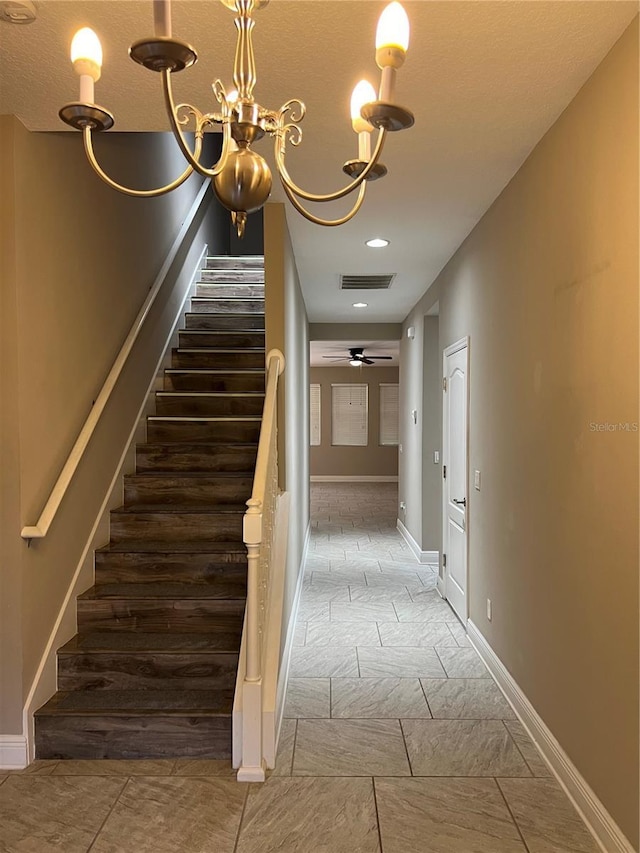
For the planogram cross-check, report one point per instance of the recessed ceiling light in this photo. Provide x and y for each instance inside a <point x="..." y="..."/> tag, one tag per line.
<point x="360" y="304"/>
<point x="377" y="243"/>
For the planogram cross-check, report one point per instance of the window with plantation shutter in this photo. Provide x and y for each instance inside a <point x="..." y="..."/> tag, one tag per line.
<point x="314" y="414"/>
<point x="349" y="415"/>
<point x="388" y="414"/>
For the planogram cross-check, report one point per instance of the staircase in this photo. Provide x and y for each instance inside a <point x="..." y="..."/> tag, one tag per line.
<point x="151" y="672"/>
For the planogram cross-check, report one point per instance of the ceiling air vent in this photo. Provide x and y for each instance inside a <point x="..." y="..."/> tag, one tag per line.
<point x="366" y="282"/>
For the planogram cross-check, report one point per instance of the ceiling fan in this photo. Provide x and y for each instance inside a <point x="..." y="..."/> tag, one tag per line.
<point x="357" y="357"/>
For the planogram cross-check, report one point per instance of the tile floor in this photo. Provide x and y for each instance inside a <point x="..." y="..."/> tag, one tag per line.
<point x="396" y="739"/>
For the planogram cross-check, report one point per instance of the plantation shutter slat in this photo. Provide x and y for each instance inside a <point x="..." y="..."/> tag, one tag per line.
<point x="389" y="414"/>
<point x="314" y="414"/>
<point x="349" y="415"/>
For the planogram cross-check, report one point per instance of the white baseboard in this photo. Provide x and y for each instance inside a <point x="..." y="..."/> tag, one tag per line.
<point x="430" y="557"/>
<point x="353" y="478"/>
<point x="13" y="752"/>
<point x="44" y="684"/>
<point x="604" y="829"/>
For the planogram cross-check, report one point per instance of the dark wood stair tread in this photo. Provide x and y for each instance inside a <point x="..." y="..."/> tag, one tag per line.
<point x="161" y="703"/>
<point x="214" y="509"/>
<point x="158" y="590"/>
<point x="120" y="642"/>
<point x="188" y="547"/>
<point x="192" y="475"/>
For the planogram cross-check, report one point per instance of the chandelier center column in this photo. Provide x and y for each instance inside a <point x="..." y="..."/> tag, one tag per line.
<point x="244" y="71"/>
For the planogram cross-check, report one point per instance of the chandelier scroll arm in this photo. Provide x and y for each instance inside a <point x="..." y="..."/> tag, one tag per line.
<point x="327" y="222"/>
<point x="97" y="168"/>
<point x="289" y="184"/>
<point x="201" y="123"/>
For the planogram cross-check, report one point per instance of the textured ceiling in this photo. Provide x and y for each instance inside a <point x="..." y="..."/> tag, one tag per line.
<point x="485" y="79"/>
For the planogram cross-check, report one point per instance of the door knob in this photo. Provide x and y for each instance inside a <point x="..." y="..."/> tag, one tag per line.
<point x="462" y="502"/>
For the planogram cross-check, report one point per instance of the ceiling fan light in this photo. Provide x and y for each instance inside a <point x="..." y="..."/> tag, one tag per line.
<point x="355" y="362"/>
<point x="377" y="243"/>
<point x="360" y="304"/>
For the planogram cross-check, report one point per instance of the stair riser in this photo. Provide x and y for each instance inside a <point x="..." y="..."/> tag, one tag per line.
<point x="158" y="615"/>
<point x="186" y="491"/>
<point x="221" y="339"/>
<point x="233" y="383"/>
<point x="176" y="527"/>
<point x="209" y="407"/>
<point x="133" y="567"/>
<point x="242" y="432"/>
<point x="146" y="671"/>
<point x="221" y="288"/>
<point x="219" y="360"/>
<point x="242" y="278"/>
<point x="227" y="306"/>
<point x="223" y="323"/>
<point x="130" y="737"/>
<point x="229" y="262"/>
<point x="165" y="457"/>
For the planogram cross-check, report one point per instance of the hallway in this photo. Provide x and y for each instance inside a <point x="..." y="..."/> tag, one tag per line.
<point x="396" y="740"/>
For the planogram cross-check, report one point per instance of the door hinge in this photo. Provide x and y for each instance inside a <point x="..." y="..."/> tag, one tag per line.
<point x="444" y="472"/>
<point x="444" y="383"/>
<point x="444" y="561"/>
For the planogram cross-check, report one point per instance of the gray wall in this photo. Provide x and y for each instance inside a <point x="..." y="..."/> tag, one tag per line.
<point x="369" y="461"/>
<point x="431" y="436"/>
<point x="78" y="260"/>
<point x="546" y="287"/>
<point x="287" y="329"/>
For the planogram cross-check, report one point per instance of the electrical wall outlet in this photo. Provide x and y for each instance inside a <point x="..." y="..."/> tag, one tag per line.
<point x="489" y="609"/>
<point x="436" y="457"/>
<point x="476" y="480"/>
<point x="403" y="506"/>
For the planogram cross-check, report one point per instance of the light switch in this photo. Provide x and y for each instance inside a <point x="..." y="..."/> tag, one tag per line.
<point x="400" y="448"/>
<point x="476" y="479"/>
<point x="436" y="457"/>
<point x="414" y="415"/>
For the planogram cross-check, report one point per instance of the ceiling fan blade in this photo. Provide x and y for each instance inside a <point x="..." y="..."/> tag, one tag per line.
<point x="337" y="357"/>
<point x="366" y="360"/>
<point x="379" y="357"/>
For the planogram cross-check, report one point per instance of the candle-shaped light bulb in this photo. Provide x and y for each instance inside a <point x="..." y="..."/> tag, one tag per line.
<point x="86" y="56"/>
<point x="363" y="93"/>
<point x="393" y="28"/>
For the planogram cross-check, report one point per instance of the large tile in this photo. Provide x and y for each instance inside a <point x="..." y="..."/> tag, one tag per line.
<point x="356" y="612"/>
<point x="323" y="662"/>
<point x="416" y="634"/>
<point x="445" y="816"/>
<point x="362" y="559"/>
<point x="330" y="580"/>
<point x="315" y="611"/>
<point x="302" y="815"/>
<point x="204" y="767"/>
<point x="326" y="549"/>
<point x="385" y="593"/>
<point x="286" y="741"/>
<point x="42" y="767"/>
<point x="342" y="634"/>
<point x="349" y="540"/>
<point x="350" y="748"/>
<point x="462" y="748"/>
<point x="399" y="662"/>
<point x="460" y="634"/>
<point x="110" y="767"/>
<point x="379" y="698"/>
<point x="527" y="747"/>
<point x="42" y="814"/>
<point x="547" y="820"/>
<point x="318" y="594"/>
<point x="307" y="697"/>
<point x="162" y="815"/>
<point x="435" y="610"/>
<point x="466" y="698"/>
<point x="462" y="663"/>
<point x="300" y="634"/>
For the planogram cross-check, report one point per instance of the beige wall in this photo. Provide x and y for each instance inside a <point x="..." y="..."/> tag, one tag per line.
<point x="431" y="436"/>
<point x="287" y="329"/>
<point x="546" y="287"/>
<point x="84" y="260"/>
<point x="369" y="461"/>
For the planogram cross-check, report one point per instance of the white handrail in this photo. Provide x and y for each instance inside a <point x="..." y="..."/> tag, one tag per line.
<point x="258" y="537"/>
<point x="40" y="529"/>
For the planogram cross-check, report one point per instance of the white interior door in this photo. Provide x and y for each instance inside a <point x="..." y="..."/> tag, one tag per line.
<point x="455" y="476"/>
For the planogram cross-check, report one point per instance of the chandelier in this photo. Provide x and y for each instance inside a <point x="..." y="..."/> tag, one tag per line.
<point x="241" y="178"/>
